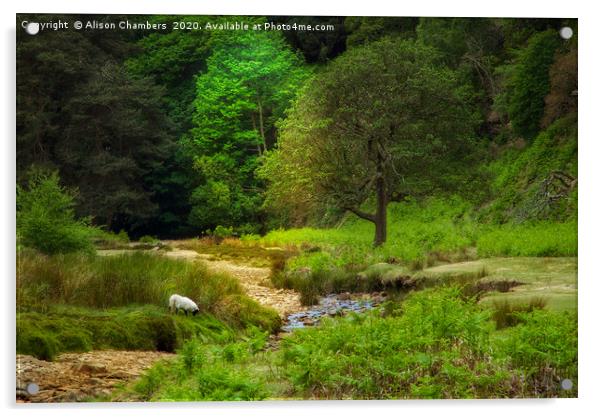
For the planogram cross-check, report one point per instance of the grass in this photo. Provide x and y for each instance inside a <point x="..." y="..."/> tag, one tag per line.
<point x="78" y="302"/>
<point x="539" y="239"/>
<point x="77" y="329"/>
<point x="554" y="279"/>
<point x="227" y="371"/>
<point x="436" y="343"/>
<point x="424" y="233"/>
<point x="433" y="233"/>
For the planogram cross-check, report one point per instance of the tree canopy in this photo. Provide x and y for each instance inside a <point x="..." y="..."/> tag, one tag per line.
<point x="249" y="82"/>
<point x="174" y="132"/>
<point x="382" y="122"/>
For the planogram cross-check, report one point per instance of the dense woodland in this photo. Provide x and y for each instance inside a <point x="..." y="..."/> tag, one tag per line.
<point x="174" y="133"/>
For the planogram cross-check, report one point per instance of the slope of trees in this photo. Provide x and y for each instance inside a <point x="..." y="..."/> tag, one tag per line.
<point x="171" y="133"/>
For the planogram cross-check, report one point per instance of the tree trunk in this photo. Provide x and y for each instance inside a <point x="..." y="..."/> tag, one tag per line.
<point x="261" y="127"/>
<point x="380" y="217"/>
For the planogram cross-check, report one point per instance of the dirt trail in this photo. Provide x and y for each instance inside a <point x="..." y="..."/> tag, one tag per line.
<point x="74" y="377"/>
<point x="255" y="281"/>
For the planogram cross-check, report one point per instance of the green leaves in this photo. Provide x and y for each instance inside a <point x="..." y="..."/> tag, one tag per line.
<point x="249" y="82"/>
<point x="388" y="101"/>
<point x="530" y="83"/>
<point x="46" y="217"/>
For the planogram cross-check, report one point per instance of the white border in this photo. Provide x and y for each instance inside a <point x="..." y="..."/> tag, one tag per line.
<point x="590" y="155"/>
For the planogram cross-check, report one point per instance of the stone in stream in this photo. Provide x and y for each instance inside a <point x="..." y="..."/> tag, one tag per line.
<point x="330" y="305"/>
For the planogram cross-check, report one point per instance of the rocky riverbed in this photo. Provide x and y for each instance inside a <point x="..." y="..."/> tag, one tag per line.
<point x="330" y="306"/>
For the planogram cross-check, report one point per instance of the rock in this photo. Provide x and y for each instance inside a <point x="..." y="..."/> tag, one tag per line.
<point x="122" y="375"/>
<point x="95" y="381"/>
<point x="90" y="368"/>
<point x="345" y="296"/>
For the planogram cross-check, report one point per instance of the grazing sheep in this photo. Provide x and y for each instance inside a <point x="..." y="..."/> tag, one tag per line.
<point x="177" y="302"/>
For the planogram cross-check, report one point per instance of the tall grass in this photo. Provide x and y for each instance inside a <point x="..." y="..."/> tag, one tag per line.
<point x="77" y="329"/>
<point x="421" y="235"/>
<point x="433" y="230"/>
<point x="533" y="239"/>
<point x="81" y="301"/>
<point x="110" y="281"/>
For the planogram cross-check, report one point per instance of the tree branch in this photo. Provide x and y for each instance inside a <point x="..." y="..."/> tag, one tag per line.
<point x="362" y="214"/>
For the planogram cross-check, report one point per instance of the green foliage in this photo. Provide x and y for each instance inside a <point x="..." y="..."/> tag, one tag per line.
<point x="524" y="180"/>
<point x="148" y="239"/>
<point x="356" y="122"/>
<point x="437" y="348"/>
<point x="421" y="234"/>
<point x="438" y="226"/>
<point x="530" y="83"/>
<point x="222" y="232"/>
<point x="532" y="239"/>
<point x="46" y="217"/>
<point x="77" y="329"/>
<point x="544" y="351"/>
<point x="438" y="345"/>
<point x="361" y="29"/>
<point x="250" y="79"/>
<point x="461" y="40"/>
<point x="206" y="372"/>
<point x="140" y="278"/>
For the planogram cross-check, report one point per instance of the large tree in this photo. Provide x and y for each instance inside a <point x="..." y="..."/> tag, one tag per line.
<point x="114" y="146"/>
<point x="250" y="80"/>
<point x="382" y="122"/>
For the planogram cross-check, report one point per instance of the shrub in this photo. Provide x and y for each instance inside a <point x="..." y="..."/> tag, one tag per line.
<point x="436" y="348"/>
<point x="543" y="349"/>
<point x="149" y="239"/>
<point x="205" y="372"/>
<point x="46" y="217"/>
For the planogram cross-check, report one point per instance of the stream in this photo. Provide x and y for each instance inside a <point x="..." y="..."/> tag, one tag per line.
<point x="329" y="306"/>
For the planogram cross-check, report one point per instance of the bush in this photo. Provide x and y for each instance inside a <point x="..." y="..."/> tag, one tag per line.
<point x="46" y="217"/>
<point x="437" y="348"/>
<point x="206" y="372"/>
<point x="543" y="349"/>
<point x="153" y="240"/>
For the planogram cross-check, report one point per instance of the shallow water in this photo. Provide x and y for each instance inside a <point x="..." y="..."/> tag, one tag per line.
<point x="330" y="306"/>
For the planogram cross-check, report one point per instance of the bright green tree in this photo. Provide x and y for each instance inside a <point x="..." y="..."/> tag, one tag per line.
<point x="46" y="216"/>
<point x="250" y="80"/>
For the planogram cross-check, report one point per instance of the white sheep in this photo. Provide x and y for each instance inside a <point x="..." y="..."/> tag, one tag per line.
<point x="177" y="302"/>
